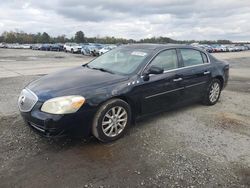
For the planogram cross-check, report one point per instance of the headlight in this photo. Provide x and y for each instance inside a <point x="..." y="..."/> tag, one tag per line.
<point x="63" y="105"/>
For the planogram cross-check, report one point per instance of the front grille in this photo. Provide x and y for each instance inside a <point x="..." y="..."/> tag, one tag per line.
<point x="27" y="100"/>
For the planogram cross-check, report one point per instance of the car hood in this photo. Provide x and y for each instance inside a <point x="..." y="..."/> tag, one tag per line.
<point x="74" y="81"/>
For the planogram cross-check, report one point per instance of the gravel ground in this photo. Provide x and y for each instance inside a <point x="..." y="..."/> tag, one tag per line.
<point x="192" y="146"/>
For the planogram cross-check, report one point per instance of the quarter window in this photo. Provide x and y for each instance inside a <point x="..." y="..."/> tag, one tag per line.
<point x="167" y="60"/>
<point x="191" y="57"/>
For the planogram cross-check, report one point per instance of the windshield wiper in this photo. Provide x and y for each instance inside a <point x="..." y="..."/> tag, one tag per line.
<point x="102" y="69"/>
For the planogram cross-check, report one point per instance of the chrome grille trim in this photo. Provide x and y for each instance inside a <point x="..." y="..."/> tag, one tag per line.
<point x="27" y="100"/>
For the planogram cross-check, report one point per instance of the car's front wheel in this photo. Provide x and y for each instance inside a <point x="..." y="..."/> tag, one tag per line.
<point x="111" y="120"/>
<point x="213" y="92"/>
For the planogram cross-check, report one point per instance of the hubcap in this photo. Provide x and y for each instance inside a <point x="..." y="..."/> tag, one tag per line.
<point x="114" y="121"/>
<point x="214" y="92"/>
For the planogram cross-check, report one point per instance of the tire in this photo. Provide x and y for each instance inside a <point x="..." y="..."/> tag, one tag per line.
<point x="117" y="126"/>
<point x="72" y="51"/>
<point x="215" y="86"/>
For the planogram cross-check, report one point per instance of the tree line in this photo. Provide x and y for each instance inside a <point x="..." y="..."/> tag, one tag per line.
<point x="79" y="37"/>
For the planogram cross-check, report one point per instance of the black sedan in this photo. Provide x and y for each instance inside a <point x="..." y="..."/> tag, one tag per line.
<point x="103" y="97"/>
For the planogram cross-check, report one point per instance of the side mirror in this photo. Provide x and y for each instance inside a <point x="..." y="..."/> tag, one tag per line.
<point x="152" y="70"/>
<point x="155" y="70"/>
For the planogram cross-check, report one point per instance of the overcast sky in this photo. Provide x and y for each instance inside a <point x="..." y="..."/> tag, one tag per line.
<point x="183" y="19"/>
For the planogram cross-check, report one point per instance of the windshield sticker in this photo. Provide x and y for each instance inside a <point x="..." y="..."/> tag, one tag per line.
<point x="138" y="53"/>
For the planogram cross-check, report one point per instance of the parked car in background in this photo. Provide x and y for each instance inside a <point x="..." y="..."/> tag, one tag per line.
<point x="85" y="50"/>
<point x="56" y="47"/>
<point x="106" y="49"/>
<point x="103" y="97"/>
<point x="36" y="46"/>
<point x="3" y="45"/>
<point x="208" y="48"/>
<point x="237" y="48"/>
<point x="94" y="50"/>
<point x="72" y="47"/>
<point x="224" y="48"/>
<point x="242" y="48"/>
<point x="217" y="48"/>
<point x="13" y="46"/>
<point x="231" y="48"/>
<point x="45" y="47"/>
<point x="246" y="47"/>
<point x="25" y="46"/>
<point x="204" y="47"/>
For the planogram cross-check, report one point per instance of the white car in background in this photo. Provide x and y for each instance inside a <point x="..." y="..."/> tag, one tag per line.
<point x="3" y="45"/>
<point x="72" y="47"/>
<point x="106" y="49"/>
<point x="25" y="46"/>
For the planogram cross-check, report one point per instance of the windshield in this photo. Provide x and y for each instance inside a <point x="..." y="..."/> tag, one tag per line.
<point x="120" y="60"/>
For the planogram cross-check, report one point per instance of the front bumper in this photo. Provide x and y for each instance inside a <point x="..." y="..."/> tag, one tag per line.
<point x="50" y="125"/>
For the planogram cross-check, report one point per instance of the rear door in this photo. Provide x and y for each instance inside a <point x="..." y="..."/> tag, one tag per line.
<point x="195" y="72"/>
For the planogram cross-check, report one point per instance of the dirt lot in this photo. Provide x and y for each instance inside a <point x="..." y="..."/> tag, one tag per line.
<point x="193" y="146"/>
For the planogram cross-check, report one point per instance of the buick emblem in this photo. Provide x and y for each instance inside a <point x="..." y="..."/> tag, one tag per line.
<point x="22" y="99"/>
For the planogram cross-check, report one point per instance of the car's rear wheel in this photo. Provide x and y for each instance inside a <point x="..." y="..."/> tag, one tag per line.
<point x="111" y="120"/>
<point x="213" y="92"/>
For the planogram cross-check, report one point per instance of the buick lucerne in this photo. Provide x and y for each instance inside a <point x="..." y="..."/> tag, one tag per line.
<point x="103" y="97"/>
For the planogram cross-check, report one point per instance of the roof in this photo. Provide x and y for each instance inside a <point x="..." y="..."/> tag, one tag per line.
<point x="159" y="47"/>
<point x="147" y="46"/>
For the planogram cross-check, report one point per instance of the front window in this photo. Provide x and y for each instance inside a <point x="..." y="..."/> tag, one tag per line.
<point x="166" y="60"/>
<point x="120" y="60"/>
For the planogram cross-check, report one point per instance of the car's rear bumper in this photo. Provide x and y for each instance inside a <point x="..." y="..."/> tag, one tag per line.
<point x="50" y="125"/>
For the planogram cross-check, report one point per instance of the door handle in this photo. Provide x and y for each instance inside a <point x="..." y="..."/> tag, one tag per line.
<point x="206" y="72"/>
<point x="177" y="79"/>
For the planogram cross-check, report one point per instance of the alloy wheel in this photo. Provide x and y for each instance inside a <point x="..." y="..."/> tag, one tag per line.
<point x="214" y="92"/>
<point x="114" y="121"/>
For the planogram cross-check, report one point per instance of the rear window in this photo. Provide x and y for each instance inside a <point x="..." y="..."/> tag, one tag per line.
<point x="191" y="57"/>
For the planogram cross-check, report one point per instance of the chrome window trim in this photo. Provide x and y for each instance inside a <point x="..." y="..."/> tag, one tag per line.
<point x="180" y="68"/>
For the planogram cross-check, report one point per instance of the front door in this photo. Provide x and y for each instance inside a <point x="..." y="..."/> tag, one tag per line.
<point x="163" y="90"/>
